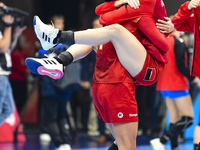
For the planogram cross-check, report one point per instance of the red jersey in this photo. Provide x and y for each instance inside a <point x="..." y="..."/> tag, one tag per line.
<point x="108" y="69"/>
<point x="155" y="42"/>
<point x="188" y="21"/>
<point x="171" y="78"/>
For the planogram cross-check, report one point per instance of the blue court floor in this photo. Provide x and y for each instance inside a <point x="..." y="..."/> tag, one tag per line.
<point x="83" y="143"/>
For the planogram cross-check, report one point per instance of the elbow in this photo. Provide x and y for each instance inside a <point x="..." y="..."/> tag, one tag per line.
<point x="164" y="46"/>
<point x="97" y="11"/>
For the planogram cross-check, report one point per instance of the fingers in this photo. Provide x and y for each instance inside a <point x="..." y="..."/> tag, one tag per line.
<point x="162" y="28"/>
<point x="167" y="18"/>
<point x="134" y="3"/>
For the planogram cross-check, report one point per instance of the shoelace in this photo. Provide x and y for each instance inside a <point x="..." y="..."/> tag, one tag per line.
<point x="52" y="27"/>
<point x="50" y="54"/>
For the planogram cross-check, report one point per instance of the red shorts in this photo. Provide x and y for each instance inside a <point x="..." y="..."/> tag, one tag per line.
<point x="150" y="71"/>
<point x="115" y="102"/>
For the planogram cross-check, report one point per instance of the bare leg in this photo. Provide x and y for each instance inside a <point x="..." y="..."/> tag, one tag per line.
<point x="125" y="135"/>
<point x="130" y="51"/>
<point x="173" y="110"/>
<point x="197" y="135"/>
<point x="184" y="105"/>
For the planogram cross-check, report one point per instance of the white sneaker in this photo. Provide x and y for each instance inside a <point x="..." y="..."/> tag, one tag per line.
<point x="45" y="33"/>
<point x="45" y="66"/>
<point x="60" y="148"/>
<point x="67" y="146"/>
<point x="157" y="145"/>
<point x="45" y="138"/>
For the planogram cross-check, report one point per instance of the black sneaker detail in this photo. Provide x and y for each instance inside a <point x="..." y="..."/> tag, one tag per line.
<point x="53" y="62"/>
<point x="45" y="61"/>
<point x="49" y="62"/>
<point x="55" y="40"/>
<point x="43" y="35"/>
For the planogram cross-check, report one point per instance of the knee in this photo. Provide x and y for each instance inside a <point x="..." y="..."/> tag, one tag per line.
<point x="132" y="145"/>
<point x="186" y="121"/>
<point x="115" y="29"/>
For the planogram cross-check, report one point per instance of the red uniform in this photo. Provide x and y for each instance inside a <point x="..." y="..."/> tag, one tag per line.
<point x="171" y="78"/>
<point x="113" y="87"/>
<point x="155" y="42"/>
<point x="188" y="21"/>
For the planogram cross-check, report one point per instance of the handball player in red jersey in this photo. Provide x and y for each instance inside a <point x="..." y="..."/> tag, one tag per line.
<point x="113" y="86"/>
<point x="187" y="20"/>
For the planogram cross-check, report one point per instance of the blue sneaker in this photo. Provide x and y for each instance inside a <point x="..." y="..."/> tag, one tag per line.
<point x="45" y="66"/>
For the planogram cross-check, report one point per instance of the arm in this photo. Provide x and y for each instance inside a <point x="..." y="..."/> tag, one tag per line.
<point x="17" y="32"/>
<point x="105" y="7"/>
<point x="183" y="20"/>
<point x="6" y="39"/>
<point x="121" y="14"/>
<point x="180" y="49"/>
<point x="153" y="34"/>
<point x="112" y="5"/>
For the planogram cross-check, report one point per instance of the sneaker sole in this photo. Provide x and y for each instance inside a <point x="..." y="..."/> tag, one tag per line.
<point x="39" y="69"/>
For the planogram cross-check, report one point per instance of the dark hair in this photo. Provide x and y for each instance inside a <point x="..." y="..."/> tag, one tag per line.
<point x="109" y="0"/>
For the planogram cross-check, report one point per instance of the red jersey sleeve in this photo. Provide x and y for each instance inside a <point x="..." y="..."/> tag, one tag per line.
<point x="184" y="19"/>
<point x="153" y="33"/>
<point x="105" y="7"/>
<point x="122" y="14"/>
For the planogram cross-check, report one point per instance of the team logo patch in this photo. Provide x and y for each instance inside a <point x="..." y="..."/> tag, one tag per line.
<point x="100" y="47"/>
<point x="150" y="74"/>
<point x="120" y="115"/>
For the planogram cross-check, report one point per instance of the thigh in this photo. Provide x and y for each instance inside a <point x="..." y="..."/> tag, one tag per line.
<point x="173" y="110"/>
<point x="130" y="51"/>
<point x="185" y="106"/>
<point x="125" y="135"/>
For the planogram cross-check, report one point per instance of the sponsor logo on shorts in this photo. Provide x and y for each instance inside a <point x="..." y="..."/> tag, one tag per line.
<point x="132" y="115"/>
<point x="120" y="115"/>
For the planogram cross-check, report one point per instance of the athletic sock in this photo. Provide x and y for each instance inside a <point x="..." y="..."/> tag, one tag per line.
<point x="65" y="37"/>
<point x="174" y="140"/>
<point x="113" y="147"/>
<point x="179" y="126"/>
<point x="196" y="146"/>
<point x="65" y="58"/>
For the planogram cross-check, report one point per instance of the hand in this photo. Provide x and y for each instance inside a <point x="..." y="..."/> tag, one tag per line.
<point x="18" y="31"/>
<point x="8" y="19"/>
<point x="85" y="84"/>
<point x="165" y="26"/>
<point x="193" y="4"/>
<point x="133" y="3"/>
<point x="196" y="81"/>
